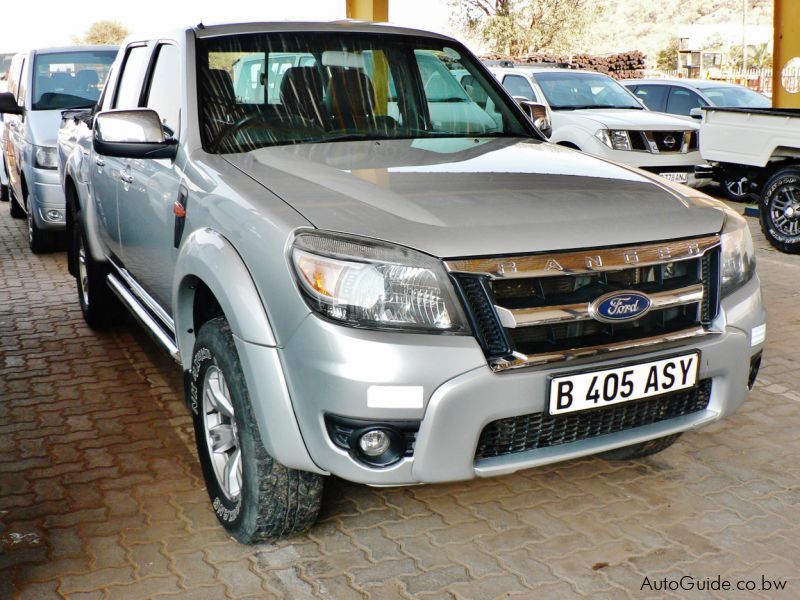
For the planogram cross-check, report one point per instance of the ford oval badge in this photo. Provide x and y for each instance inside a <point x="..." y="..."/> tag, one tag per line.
<point x="620" y="306"/>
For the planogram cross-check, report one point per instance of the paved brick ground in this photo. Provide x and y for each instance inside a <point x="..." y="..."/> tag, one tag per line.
<point x="101" y="494"/>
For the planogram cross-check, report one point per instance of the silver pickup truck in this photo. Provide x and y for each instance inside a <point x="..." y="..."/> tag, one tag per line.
<point x="366" y="277"/>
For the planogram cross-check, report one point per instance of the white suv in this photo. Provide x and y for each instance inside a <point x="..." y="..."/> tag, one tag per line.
<point x="594" y="113"/>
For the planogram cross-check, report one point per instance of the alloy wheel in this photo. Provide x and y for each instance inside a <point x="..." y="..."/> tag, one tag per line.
<point x="222" y="433"/>
<point x="785" y="210"/>
<point x="83" y="272"/>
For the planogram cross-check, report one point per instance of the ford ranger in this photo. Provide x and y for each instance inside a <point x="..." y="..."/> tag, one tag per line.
<point x="364" y="276"/>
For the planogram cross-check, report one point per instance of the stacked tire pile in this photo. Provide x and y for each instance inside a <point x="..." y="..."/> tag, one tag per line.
<point x="624" y="65"/>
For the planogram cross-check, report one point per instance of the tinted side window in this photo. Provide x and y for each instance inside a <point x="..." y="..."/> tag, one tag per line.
<point x="653" y="96"/>
<point x="517" y="85"/>
<point x="129" y="86"/>
<point x="163" y="96"/>
<point x="682" y="101"/>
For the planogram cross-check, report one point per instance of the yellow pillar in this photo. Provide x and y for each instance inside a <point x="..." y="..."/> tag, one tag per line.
<point x="368" y="10"/>
<point x="786" y="17"/>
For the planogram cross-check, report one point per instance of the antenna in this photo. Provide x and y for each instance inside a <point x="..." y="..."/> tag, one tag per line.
<point x="200" y="25"/>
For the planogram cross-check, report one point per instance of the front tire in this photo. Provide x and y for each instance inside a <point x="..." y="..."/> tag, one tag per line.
<point x="3" y="193"/>
<point x="779" y="210"/>
<point x="39" y="241"/>
<point x="99" y="305"/>
<point x="641" y="450"/>
<point x="16" y="210"/>
<point x="254" y="497"/>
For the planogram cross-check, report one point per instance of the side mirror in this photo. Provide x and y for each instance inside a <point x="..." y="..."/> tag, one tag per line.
<point x="8" y="104"/>
<point x="696" y="113"/>
<point x="538" y="113"/>
<point x="134" y="133"/>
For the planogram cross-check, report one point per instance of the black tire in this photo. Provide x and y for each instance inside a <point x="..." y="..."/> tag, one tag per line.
<point x="3" y="193"/>
<point x="735" y="189"/>
<point x="15" y="208"/>
<point x="100" y="307"/>
<point x="272" y="501"/>
<point x="39" y="241"/>
<point x="641" y="450"/>
<point x="779" y="210"/>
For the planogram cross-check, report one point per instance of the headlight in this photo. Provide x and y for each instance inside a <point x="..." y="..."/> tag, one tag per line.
<point x="616" y="139"/>
<point x="45" y="157"/>
<point x="366" y="283"/>
<point x="738" y="253"/>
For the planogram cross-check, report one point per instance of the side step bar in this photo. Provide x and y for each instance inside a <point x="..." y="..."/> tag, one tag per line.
<point x="144" y="317"/>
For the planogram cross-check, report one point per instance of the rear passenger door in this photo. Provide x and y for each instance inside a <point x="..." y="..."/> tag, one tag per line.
<point x="14" y="133"/>
<point x="111" y="175"/>
<point x="147" y="218"/>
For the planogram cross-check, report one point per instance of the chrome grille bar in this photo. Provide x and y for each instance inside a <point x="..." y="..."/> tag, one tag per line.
<point x="590" y="261"/>
<point x="520" y="360"/>
<point x="568" y="313"/>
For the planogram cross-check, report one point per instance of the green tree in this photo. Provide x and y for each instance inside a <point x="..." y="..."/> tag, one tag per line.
<point x="518" y="27"/>
<point x="758" y="57"/>
<point x="667" y="57"/>
<point x="103" y="32"/>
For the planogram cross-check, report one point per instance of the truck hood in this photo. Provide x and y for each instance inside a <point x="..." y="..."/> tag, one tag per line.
<point x="620" y="118"/>
<point x="44" y="126"/>
<point x="468" y="197"/>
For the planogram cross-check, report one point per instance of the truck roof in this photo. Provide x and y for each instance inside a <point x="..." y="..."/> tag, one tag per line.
<point x="699" y="84"/>
<point x="350" y="26"/>
<point x="79" y="48"/>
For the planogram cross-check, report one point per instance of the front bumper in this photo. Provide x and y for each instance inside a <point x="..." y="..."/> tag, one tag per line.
<point x="46" y="197"/>
<point x="667" y="162"/>
<point x="330" y="369"/>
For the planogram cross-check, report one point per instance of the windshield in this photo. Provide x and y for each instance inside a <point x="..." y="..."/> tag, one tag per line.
<point x="70" y="79"/>
<point x="736" y="96"/>
<point x="285" y="88"/>
<point x="570" y="91"/>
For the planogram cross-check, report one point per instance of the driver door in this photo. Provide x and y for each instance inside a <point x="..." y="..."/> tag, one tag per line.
<point x="147" y="207"/>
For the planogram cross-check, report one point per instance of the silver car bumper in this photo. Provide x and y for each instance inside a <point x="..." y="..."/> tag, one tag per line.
<point x="330" y="370"/>
<point x="47" y="199"/>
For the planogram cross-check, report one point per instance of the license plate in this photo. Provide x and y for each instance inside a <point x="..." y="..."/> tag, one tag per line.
<point x="585" y="391"/>
<point x="676" y="177"/>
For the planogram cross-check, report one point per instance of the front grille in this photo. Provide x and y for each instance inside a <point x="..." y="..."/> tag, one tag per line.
<point x="668" y="141"/>
<point x="664" y="142"/>
<point x="542" y="313"/>
<point x="540" y="430"/>
<point x="477" y="294"/>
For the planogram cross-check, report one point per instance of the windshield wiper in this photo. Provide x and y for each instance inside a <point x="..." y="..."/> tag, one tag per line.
<point x="590" y="106"/>
<point x="451" y="99"/>
<point x="343" y="137"/>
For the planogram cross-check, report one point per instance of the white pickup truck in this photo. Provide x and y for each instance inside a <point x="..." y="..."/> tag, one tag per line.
<point x="762" y="146"/>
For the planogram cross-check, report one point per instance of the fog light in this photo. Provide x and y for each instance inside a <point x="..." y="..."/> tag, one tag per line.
<point x="54" y="215"/>
<point x="374" y="443"/>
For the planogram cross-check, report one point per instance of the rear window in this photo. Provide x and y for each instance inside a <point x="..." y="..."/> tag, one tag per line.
<point x="70" y="79"/>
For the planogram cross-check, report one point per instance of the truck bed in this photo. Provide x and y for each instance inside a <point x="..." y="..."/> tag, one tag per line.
<point x="749" y="136"/>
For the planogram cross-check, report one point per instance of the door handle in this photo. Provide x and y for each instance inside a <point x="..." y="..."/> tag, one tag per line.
<point x="99" y="162"/>
<point x="125" y="177"/>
